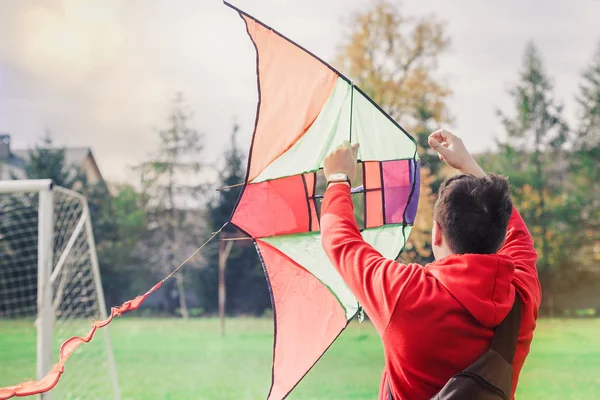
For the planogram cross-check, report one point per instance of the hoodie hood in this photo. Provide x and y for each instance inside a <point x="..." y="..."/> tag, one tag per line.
<point x="480" y="282"/>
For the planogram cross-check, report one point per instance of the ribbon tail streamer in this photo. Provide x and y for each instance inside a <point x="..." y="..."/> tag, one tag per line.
<point x="47" y="383"/>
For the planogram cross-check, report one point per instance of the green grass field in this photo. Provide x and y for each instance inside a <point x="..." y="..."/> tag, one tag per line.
<point x="174" y="359"/>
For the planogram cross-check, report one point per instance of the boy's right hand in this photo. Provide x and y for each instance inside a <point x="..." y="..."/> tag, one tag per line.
<point x="452" y="150"/>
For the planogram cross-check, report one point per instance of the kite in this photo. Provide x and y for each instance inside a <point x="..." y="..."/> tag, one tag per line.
<point x="306" y="108"/>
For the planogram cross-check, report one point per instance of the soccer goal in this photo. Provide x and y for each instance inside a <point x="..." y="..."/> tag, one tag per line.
<point x="50" y="290"/>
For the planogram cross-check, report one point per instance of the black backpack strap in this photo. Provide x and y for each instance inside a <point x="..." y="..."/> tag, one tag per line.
<point x="506" y="334"/>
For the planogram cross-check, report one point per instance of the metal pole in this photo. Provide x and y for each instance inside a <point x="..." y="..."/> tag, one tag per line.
<point x="25" y="185"/>
<point x="44" y="286"/>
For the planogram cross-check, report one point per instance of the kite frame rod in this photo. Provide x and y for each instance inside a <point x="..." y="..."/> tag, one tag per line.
<point x="234" y="239"/>
<point x="230" y="186"/>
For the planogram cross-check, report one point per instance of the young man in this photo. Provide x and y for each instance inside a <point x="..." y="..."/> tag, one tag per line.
<point x="435" y="320"/>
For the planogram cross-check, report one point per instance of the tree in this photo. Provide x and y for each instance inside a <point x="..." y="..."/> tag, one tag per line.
<point x="48" y="162"/>
<point x="588" y="134"/>
<point x="247" y="290"/>
<point x="393" y="58"/>
<point x="534" y="157"/>
<point x="585" y="170"/>
<point x="117" y="222"/>
<point x="167" y="188"/>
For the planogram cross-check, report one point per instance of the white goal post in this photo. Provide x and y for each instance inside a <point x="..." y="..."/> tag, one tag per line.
<point x="50" y="290"/>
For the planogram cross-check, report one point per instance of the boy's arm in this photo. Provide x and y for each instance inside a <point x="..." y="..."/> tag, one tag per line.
<point x="518" y="244"/>
<point x="377" y="283"/>
<point x="519" y="247"/>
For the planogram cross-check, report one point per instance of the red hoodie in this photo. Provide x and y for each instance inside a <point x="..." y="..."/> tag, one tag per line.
<point x="436" y="319"/>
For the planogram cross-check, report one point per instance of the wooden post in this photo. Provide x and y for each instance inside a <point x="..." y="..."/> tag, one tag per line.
<point x="224" y="250"/>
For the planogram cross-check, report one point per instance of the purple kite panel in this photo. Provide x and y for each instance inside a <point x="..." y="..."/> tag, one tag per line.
<point x="396" y="187"/>
<point x="411" y="210"/>
<point x="398" y="177"/>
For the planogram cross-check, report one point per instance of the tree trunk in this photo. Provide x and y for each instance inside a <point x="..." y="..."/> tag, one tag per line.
<point x="168" y="304"/>
<point x="181" y="291"/>
<point x="224" y="250"/>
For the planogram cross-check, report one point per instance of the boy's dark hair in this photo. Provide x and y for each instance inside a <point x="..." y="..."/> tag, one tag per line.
<point x="473" y="213"/>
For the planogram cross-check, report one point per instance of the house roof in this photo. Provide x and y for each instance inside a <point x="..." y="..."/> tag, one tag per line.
<point x="73" y="155"/>
<point x="12" y="166"/>
<point x="15" y="164"/>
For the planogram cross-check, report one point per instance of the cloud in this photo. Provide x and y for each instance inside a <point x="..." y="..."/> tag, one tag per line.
<point x="100" y="73"/>
<point x="65" y="42"/>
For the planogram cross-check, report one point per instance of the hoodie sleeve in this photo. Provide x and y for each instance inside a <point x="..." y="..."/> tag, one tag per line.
<point x="519" y="247"/>
<point x="377" y="283"/>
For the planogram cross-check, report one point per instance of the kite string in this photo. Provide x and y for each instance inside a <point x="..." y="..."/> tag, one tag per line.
<point x="194" y="253"/>
<point x="30" y="388"/>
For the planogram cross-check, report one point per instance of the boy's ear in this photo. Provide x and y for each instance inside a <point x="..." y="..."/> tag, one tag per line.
<point x="437" y="236"/>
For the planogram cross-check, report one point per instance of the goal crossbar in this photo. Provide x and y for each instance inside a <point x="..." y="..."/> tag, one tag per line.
<point x="26" y="185"/>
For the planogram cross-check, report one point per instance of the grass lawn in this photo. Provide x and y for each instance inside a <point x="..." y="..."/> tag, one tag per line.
<point x="174" y="359"/>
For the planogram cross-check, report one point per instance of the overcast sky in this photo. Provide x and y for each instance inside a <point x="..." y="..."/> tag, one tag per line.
<point x="100" y="73"/>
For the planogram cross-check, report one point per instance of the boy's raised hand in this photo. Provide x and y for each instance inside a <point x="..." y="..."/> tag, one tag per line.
<point x="452" y="150"/>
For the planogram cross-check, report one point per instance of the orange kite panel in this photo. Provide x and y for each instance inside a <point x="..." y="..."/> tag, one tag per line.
<point x="300" y="300"/>
<point x="372" y="175"/>
<point x="273" y="208"/>
<point x="374" y="205"/>
<point x="293" y="87"/>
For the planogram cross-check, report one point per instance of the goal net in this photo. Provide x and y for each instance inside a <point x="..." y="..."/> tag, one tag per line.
<point x="50" y="290"/>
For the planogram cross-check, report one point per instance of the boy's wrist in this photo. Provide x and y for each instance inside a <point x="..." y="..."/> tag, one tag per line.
<point x="338" y="183"/>
<point x="474" y="169"/>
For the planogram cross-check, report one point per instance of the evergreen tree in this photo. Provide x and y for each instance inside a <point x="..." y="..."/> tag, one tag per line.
<point x="585" y="171"/>
<point x="168" y="185"/>
<point x="48" y="162"/>
<point x="119" y="223"/>
<point x="247" y="291"/>
<point x="534" y="157"/>
<point x="588" y="134"/>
